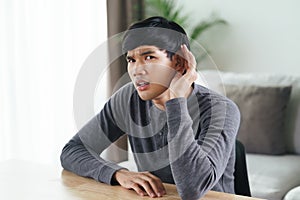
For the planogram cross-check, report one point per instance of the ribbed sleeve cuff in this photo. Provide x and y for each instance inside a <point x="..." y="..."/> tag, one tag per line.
<point x="107" y="173"/>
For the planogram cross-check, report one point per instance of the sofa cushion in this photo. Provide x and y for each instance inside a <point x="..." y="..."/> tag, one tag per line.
<point x="274" y="177"/>
<point x="262" y="115"/>
<point x="214" y="78"/>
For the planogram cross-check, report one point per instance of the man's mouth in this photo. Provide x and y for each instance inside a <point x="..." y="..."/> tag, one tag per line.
<point x="142" y="85"/>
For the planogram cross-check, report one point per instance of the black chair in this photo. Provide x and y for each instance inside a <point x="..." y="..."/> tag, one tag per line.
<point x="241" y="182"/>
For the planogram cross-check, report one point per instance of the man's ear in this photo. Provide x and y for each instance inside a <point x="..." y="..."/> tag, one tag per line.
<point x="180" y="64"/>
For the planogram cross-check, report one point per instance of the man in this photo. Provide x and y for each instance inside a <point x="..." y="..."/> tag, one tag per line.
<point x="179" y="132"/>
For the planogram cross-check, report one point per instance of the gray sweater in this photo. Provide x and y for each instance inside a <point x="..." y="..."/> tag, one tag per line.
<point x="190" y="144"/>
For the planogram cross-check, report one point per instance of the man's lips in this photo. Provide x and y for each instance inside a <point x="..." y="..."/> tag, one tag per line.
<point x="142" y="84"/>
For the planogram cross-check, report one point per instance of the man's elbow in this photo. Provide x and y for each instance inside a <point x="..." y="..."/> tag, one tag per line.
<point x="205" y="183"/>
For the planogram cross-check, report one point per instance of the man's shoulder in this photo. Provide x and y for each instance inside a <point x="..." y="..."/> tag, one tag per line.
<point x="127" y="87"/>
<point x="205" y="94"/>
<point x="125" y="91"/>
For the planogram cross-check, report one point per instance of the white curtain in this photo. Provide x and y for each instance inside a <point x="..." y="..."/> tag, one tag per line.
<point x="43" y="44"/>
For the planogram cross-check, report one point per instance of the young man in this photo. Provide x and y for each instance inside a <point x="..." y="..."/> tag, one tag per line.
<point x="179" y="132"/>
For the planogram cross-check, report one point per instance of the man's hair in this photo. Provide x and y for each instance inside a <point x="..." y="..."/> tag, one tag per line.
<point x="155" y="31"/>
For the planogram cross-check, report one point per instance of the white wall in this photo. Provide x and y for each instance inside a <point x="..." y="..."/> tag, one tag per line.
<point x="263" y="36"/>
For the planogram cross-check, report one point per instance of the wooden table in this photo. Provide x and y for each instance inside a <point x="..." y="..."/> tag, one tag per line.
<point x="26" y="180"/>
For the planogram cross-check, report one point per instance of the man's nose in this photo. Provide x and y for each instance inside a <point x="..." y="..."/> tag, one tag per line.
<point x="139" y="68"/>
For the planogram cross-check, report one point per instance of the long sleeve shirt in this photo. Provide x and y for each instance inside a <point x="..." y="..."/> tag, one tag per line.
<point x="190" y="143"/>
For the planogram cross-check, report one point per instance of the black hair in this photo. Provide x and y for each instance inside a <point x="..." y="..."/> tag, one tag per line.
<point x="156" y="31"/>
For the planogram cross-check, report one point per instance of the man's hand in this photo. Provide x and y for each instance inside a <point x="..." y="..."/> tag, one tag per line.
<point x="181" y="83"/>
<point x="144" y="183"/>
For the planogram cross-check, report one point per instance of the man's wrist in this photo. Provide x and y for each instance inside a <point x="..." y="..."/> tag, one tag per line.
<point x="116" y="176"/>
<point x="114" y="180"/>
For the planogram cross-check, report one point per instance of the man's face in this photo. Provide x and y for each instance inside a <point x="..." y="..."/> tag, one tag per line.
<point x="150" y="70"/>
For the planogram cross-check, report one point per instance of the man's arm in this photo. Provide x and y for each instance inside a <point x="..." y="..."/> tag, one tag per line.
<point x="76" y="158"/>
<point x="81" y="154"/>
<point x="197" y="165"/>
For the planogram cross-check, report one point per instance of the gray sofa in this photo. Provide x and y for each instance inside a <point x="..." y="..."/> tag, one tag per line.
<point x="270" y="128"/>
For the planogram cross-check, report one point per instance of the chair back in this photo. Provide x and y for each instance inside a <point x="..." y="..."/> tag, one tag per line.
<point x="241" y="182"/>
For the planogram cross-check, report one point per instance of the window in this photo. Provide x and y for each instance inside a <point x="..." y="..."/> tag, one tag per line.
<point x="43" y="46"/>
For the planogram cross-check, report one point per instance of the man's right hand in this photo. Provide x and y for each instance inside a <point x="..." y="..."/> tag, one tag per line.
<point x="144" y="183"/>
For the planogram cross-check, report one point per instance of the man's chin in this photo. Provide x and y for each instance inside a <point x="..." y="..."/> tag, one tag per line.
<point x="151" y="94"/>
<point x="145" y="97"/>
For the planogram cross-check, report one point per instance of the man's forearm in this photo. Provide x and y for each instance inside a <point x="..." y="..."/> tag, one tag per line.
<point x="76" y="158"/>
<point x="193" y="163"/>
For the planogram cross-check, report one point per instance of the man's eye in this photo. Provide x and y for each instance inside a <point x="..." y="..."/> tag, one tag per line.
<point x="130" y="60"/>
<point x="149" y="57"/>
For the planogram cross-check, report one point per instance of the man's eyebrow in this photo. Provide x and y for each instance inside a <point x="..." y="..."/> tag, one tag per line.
<point x="147" y="52"/>
<point x="142" y="54"/>
<point x="129" y="58"/>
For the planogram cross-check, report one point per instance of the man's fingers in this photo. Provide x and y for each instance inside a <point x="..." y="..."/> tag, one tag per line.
<point x="145" y="184"/>
<point x="156" y="184"/>
<point x="149" y="185"/>
<point x="137" y="189"/>
<point x="188" y="56"/>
